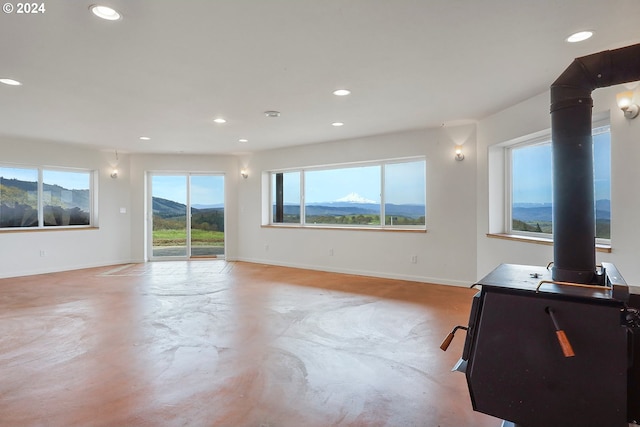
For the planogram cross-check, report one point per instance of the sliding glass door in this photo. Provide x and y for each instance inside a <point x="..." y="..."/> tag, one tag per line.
<point x="187" y="216"/>
<point x="207" y="215"/>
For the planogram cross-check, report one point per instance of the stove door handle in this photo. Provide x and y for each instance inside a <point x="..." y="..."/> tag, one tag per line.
<point x="565" y="345"/>
<point x="447" y="340"/>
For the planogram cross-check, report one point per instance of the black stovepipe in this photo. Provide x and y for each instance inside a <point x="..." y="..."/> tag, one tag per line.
<point x="573" y="191"/>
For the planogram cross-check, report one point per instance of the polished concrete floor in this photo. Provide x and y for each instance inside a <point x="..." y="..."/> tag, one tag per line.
<point x="216" y="343"/>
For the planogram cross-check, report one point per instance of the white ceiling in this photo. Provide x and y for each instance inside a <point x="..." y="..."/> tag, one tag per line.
<point x="169" y="67"/>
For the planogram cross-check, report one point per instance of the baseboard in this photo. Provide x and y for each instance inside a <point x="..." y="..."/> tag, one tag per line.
<point x="33" y="272"/>
<point x="366" y="273"/>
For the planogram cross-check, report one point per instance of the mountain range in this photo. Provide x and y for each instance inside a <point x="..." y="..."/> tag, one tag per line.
<point x="16" y="190"/>
<point x="166" y="208"/>
<point x="347" y="208"/>
<point x="544" y="212"/>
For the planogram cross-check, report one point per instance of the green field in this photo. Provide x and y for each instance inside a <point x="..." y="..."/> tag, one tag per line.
<point x="366" y="219"/>
<point x="175" y="237"/>
<point x="603" y="227"/>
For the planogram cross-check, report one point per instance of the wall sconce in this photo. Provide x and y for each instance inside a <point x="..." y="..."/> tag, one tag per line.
<point x="625" y="103"/>
<point x="459" y="154"/>
<point x="114" y="172"/>
<point x="244" y="173"/>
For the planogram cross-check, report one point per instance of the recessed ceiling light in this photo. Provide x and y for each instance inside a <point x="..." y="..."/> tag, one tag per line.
<point x="145" y="138"/>
<point x="243" y="140"/>
<point x="219" y="120"/>
<point x="337" y="124"/>
<point x="579" y="36"/>
<point x="272" y="113"/>
<point x="105" y="12"/>
<point x="10" y="82"/>
<point x="341" y="92"/>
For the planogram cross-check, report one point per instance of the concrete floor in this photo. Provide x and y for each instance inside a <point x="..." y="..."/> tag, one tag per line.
<point x="216" y="343"/>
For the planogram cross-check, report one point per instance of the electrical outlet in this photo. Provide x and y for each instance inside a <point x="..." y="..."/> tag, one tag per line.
<point x="42" y="252"/>
<point x="414" y="259"/>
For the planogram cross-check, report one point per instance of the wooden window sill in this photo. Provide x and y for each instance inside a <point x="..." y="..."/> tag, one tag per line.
<point x="325" y="227"/>
<point x="44" y="229"/>
<point x="540" y="240"/>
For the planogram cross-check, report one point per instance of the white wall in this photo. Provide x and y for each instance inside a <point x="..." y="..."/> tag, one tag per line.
<point x="446" y="253"/>
<point x="68" y="249"/>
<point x="533" y="116"/>
<point x="455" y="250"/>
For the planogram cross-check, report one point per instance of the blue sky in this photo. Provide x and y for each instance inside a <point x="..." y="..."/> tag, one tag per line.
<point x="68" y="180"/>
<point x="205" y="189"/>
<point x="404" y="182"/>
<point x="532" y="171"/>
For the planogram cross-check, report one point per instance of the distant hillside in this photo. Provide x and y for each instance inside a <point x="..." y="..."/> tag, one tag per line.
<point x="165" y="208"/>
<point x="20" y="185"/>
<point x="543" y="212"/>
<point x="168" y="215"/>
<point x="346" y="208"/>
<point x="16" y="191"/>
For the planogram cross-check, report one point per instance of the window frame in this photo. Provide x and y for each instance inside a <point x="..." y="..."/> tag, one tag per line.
<point x="598" y="126"/>
<point x="380" y="163"/>
<point x="92" y="203"/>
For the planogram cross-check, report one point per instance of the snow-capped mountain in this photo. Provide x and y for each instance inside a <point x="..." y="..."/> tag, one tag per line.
<point x="355" y="198"/>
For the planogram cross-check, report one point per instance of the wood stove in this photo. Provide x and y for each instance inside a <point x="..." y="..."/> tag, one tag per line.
<point x="560" y="346"/>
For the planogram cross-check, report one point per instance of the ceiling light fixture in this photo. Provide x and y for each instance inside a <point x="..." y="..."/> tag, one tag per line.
<point x="243" y="140"/>
<point x="10" y="82"/>
<point x="341" y="92"/>
<point x="105" y="12"/>
<point x="579" y="36"/>
<point x="272" y="113"/>
<point x="337" y="124"/>
<point x="145" y="138"/>
<point x="219" y="120"/>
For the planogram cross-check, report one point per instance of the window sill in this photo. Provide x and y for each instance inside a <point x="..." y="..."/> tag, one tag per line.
<point x="324" y="227"/>
<point x="540" y="240"/>
<point x="44" y="229"/>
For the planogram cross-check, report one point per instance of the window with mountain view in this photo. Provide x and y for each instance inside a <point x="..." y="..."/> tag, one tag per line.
<point x="66" y="198"/>
<point x="531" y="186"/>
<point x="346" y="196"/>
<point x="35" y="197"/>
<point x="18" y="197"/>
<point x="353" y="195"/>
<point x="404" y="204"/>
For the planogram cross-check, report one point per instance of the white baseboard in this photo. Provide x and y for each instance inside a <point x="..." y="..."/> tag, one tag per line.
<point x="367" y="273"/>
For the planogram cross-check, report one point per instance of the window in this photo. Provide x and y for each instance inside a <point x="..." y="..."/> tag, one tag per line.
<point x="531" y="180"/>
<point x="348" y="196"/>
<point x="285" y="188"/>
<point x="354" y="195"/>
<point x="39" y="198"/>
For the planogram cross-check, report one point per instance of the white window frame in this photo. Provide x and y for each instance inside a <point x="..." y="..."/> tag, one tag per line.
<point x="303" y="170"/>
<point x="93" y="208"/>
<point x="539" y="138"/>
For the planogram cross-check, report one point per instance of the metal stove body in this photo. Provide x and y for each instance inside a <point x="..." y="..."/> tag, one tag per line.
<point x="539" y="353"/>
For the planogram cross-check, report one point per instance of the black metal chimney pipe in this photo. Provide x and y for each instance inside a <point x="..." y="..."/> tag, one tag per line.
<point x="573" y="191"/>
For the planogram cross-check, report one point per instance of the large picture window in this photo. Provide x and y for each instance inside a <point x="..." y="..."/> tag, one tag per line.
<point x="382" y="194"/>
<point x="531" y="179"/>
<point x="38" y="198"/>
